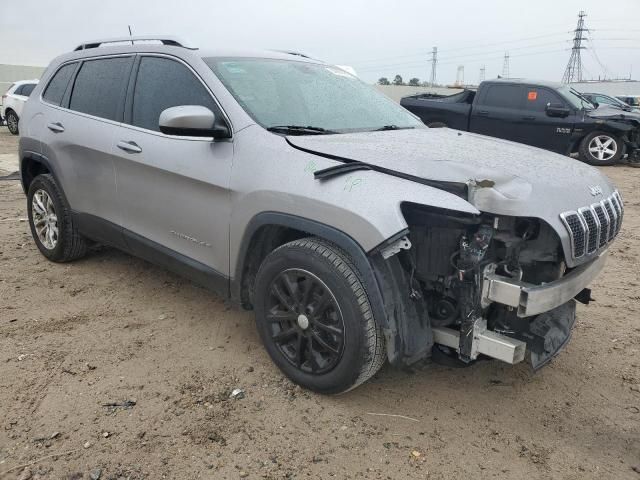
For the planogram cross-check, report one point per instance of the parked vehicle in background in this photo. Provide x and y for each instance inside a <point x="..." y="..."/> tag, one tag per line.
<point x="355" y="233"/>
<point x="602" y="99"/>
<point x="631" y="100"/>
<point x="13" y="101"/>
<point x="547" y="115"/>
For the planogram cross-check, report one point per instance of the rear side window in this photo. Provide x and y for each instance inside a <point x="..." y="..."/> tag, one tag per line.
<point x="100" y="86"/>
<point x="58" y="84"/>
<point x="504" y="96"/>
<point x="19" y="90"/>
<point x="163" y="83"/>
<point x="28" y="88"/>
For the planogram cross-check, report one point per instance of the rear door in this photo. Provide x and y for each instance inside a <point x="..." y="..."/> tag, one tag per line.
<point x="497" y="111"/>
<point x="82" y="116"/>
<point x="539" y="129"/>
<point x="173" y="191"/>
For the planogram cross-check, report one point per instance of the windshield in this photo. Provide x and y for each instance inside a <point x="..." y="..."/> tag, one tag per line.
<point x="279" y="93"/>
<point x="575" y="98"/>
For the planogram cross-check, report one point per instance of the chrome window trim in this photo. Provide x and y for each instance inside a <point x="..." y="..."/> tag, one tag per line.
<point x="127" y="125"/>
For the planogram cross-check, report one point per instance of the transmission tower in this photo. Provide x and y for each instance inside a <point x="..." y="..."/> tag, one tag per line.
<point x="482" y="72"/>
<point x="505" y="66"/>
<point x="434" y="63"/>
<point x="460" y="76"/>
<point x="573" y="72"/>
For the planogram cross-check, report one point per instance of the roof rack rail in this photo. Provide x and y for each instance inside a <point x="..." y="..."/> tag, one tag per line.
<point x="164" y="39"/>
<point x="289" y="52"/>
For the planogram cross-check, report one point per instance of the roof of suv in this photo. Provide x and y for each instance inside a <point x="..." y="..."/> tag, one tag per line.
<point x="169" y="44"/>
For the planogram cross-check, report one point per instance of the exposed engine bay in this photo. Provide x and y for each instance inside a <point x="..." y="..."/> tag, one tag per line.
<point x="449" y="262"/>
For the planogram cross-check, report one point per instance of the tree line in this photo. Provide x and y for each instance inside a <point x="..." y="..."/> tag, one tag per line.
<point x="397" y="80"/>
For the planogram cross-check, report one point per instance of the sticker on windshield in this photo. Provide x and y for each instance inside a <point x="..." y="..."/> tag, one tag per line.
<point x="233" y="67"/>
<point x="339" y="72"/>
<point x="532" y="96"/>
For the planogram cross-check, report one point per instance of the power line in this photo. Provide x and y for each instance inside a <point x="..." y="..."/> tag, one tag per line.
<point x="573" y="72"/>
<point x="421" y="52"/>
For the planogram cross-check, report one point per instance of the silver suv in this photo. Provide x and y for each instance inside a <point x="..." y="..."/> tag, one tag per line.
<point x="356" y="234"/>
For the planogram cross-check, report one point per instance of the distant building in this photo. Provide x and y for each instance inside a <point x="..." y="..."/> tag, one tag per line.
<point x="12" y="73"/>
<point x="613" y="87"/>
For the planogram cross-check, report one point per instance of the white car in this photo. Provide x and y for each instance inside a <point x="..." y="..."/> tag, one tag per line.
<point x="13" y="100"/>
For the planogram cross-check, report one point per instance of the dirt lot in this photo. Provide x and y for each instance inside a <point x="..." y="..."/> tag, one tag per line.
<point x="111" y="328"/>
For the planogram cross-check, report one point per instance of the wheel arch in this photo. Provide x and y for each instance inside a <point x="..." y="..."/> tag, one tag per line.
<point x="268" y="230"/>
<point x="33" y="164"/>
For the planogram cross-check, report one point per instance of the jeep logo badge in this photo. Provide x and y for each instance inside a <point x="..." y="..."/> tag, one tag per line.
<point x="595" y="190"/>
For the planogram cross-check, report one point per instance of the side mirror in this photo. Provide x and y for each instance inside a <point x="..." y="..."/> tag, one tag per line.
<point x="557" y="110"/>
<point x="192" y="121"/>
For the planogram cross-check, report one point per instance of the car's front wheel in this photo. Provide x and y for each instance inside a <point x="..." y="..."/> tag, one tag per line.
<point x="12" y="122"/>
<point x="601" y="148"/>
<point x="314" y="317"/>
<point x="51" y="223"/>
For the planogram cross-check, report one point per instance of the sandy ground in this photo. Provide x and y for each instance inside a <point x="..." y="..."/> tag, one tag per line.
<point x="111" y="328"/>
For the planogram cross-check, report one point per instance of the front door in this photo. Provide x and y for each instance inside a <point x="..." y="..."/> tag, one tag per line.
<point x="539" y="129"/>
<point x="173" y="191"/>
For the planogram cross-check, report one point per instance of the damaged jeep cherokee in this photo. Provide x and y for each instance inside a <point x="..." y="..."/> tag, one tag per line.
<point x="355" y="233"/>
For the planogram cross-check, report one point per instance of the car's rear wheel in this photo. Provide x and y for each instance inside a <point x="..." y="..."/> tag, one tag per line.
<point x="12" y="122"/>
<point x="51" y="223"/>
<point x="601" y="148"/>
<point x="314" y="317"/>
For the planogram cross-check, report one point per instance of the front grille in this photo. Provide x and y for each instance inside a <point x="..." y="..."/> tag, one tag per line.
<point x="593" y="227"/>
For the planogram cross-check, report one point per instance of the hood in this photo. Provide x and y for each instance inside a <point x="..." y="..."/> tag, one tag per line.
<point x="611" y="112"/>
<point x="505" y="178"/>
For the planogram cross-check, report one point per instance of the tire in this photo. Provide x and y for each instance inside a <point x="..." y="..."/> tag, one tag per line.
<point x="12" y="122"/>
<point x="437" y="125"/>
<point x="309" y="298"/>
<point x="65" y="245"/>
<point x="601" y="148"/>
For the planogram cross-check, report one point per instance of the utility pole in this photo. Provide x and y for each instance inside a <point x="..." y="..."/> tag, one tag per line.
<point x="573" y="72"/>
<point x="460" y="76"/>
<point x="482" y="72"/>
<point x="434" y="63"/>
<point x="505" y="66"/>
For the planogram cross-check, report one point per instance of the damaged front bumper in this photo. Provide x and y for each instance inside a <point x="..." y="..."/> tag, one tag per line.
<point x="550" y="309"/>
<point x="531" y="299"/>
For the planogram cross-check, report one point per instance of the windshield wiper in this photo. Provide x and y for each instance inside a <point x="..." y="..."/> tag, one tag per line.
<point x="300" y="130"/>
<point x="340" y="170"/>
<point x="392" y="127"/>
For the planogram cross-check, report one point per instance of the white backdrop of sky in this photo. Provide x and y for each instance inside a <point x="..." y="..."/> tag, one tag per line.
<point x="377" y="37"/>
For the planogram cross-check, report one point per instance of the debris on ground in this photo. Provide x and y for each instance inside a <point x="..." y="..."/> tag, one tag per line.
<point x="237" y="394"/>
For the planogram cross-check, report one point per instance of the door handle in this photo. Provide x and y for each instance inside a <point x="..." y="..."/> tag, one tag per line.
<point x="56" y="127"/>
<point x="484" y="113"/>
<point x="129" y="147"/>
<point x="529" y="117"/>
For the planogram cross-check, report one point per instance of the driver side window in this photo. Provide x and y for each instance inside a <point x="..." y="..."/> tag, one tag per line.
<point x="163" y="83"/>
<point x="537" y="99"/>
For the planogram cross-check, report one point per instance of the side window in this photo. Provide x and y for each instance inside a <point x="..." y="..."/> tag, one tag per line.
<point x="163" y="83"/>
<point x="100" y="86"/>
<point x="504" y="96"/>
<point x="537" y="99"/>
<point x="28" y="88"/>
<point x="58" y="84"/>
<point x="19" y="90"/>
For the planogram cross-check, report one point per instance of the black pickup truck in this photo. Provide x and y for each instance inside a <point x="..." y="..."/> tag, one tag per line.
<point x="548" y="115"/>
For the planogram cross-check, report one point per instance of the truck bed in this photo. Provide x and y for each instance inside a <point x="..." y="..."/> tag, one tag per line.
<point x="437" y="110"/>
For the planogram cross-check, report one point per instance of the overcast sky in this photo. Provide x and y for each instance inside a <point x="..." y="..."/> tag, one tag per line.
<point x="376" y="37"/>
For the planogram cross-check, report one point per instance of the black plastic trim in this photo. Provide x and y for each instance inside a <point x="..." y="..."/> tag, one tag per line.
<point x="103" y="231"/>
